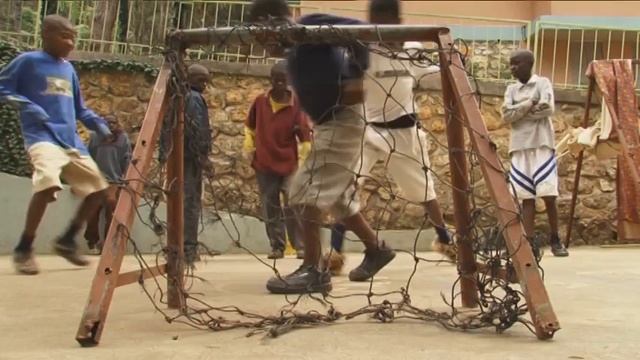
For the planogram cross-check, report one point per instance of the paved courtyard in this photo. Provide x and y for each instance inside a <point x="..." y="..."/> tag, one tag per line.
<point x="595" y="294"/>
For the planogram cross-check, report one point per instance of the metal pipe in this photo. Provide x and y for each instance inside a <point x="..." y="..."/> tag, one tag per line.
<point x="336" y="34"/>
<point x="576" y="178"/>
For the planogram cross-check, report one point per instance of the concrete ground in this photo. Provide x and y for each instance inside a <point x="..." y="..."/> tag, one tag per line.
<point x="595" y="294"/>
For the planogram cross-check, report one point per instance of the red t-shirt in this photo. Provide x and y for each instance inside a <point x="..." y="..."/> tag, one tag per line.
<point x="276" y="134"/>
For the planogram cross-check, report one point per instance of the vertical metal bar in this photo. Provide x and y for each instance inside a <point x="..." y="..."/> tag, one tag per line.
<point x="461" y="187"/>
<point x="535" y="41"/>
<point x="36" y="31"/>
<point x="553" y="62"/>
<point x="226" y="48"/>
<point x="539" y="60"/>
<point x="175" y="213"/>
<point x="576" y="178"/>
<point x="566" y="65"/>
<point x="609" y="45"/>
<point x="93" y="20"/>
<point x="104" y="25"/>
<point x="179" y="26"/>
<point x="153" y="25"/>
<point x="241" y="21"/>
<point x="129" y="17"/>
<point x="167" y="16"/>
<point x="624" y="33"/>
<point x="107" y="273"/>
<point x="580" y="63"/>
<point x="637" y="53"/>
<point x="215" y="25"/>
<point x="595" y="44"/>
<point x="204" y="14"/>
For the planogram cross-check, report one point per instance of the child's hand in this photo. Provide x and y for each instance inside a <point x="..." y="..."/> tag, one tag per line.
<point x="539" y="107"/>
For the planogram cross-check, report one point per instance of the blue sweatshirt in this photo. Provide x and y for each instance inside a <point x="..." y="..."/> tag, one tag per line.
<point x="317" y="71"/>
<point x="46" y="90"/>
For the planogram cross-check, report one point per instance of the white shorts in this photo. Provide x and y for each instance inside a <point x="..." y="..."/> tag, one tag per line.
<point x="50" y="162"/>
<point x="534" y="173"/>
<point x="408" y="164"/>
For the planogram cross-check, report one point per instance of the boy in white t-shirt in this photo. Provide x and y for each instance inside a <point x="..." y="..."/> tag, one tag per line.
<point x="393" y="134"/>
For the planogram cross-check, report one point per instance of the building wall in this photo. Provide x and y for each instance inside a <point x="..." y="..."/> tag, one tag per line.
<point x="234" y="188"/>
<point x="520" y="10"/>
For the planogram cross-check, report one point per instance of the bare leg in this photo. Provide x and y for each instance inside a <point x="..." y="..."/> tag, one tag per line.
<point x="87" y="210"/>
<point x="552" y="213"/>
<point x="529" y="216"/>
<point x="432" y="209"/>
<point x="35" y="212"/>
<point x="90" y="205"/>
<point x="359" y="225"/>
<point x="309" y="217"/>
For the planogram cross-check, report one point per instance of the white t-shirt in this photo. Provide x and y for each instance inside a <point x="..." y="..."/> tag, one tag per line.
<point x="389" y="85"/>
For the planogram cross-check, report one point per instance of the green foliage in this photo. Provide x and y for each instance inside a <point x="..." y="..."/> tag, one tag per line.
<point x="13" y="157"/>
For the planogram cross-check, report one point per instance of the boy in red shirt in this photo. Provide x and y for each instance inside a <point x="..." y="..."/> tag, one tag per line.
<point x="273" y="129"/>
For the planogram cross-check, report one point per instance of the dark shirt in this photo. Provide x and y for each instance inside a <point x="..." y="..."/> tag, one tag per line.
<point x="112" y="157"/>
<point x="197" y="130"/>
<point x="276" y="134"/>
<point x="317" y="71"/>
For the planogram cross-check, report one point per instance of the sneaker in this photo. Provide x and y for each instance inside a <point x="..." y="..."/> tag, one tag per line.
<point x="307" y="279"/>
<point x="25" y="263"/>
<point x="558" y="249"/>
<point x="334" y="262"/>
<point x="70" y="253"/>
<point x="373" y="261"/>
<point x="448" y="250"/>
<point x="276" y="254"/>
<point x="300" y="254"/>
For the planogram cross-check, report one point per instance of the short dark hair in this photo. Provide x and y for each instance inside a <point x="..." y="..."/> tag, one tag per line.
<point x="384" y="7"/>
<point x="261" y="10"/>
<point x="279" y="67"/>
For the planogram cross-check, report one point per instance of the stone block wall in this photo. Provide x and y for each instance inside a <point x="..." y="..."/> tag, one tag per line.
<point x="234" y="186"/>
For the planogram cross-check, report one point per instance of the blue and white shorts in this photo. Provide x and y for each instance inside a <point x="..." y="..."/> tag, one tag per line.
<point x="534" y="173"/>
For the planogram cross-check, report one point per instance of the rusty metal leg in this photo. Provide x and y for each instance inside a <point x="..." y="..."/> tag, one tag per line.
<point x="175" y="214"/>
<point x="106" y="278"/>
<point x="538" y="302"/>
<point x="461" y="206"/>
<point x="576" y="179"/>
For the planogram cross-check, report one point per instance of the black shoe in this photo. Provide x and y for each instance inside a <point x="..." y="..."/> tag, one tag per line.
<point x="558" y="249"/>
<point x="276" y="254"/>
<point x="307" y="279"/>
<point x="373" y="261"/>
<point x="70" y="253"/>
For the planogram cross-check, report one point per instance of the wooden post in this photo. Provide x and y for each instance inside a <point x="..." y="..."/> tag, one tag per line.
<point x="175" y="212"/>
<point x="576" y="178"/>
<point x="107" y="274"/>
<point x="461" y="188"/>
<point x="538" y="302"/>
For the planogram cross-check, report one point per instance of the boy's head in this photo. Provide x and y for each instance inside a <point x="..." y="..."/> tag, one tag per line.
<point x="384" y="12"/>
<point x="198" y="77"/>
<point x="114" y="124"/>
<point x="270" y="12"/>
<point x="521" y="64"/>
<point x="261" y="11"/>
<point x="58" y="36"/>
<point x="279" y="77"/>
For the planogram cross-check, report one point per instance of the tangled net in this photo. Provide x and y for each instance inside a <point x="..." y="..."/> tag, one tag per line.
<point x="500" y="305"/>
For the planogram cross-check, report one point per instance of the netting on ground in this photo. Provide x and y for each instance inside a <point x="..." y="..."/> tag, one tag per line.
<point x="500" y="306"/>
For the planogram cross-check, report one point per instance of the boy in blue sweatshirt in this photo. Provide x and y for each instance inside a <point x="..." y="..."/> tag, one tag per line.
<point x="328" y="82"/>
<point x="45" y="88"/>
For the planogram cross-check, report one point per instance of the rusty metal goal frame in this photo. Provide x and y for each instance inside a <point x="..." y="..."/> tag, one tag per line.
<point x="457" y="94"/>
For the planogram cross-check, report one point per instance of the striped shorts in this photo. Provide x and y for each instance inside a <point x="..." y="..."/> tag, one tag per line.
<point x="534" y="173"/>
